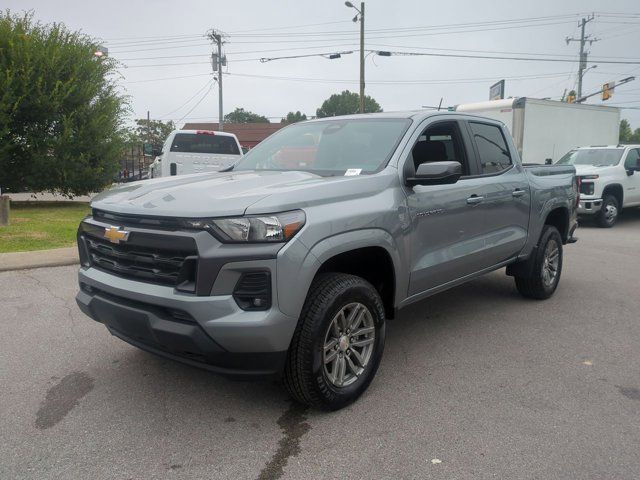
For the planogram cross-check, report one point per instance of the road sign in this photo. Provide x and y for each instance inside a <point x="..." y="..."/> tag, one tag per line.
<point x="607" y="90"/>
<point x="496" y="92"/>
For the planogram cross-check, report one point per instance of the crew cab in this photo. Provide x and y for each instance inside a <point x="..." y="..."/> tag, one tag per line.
<point x="609" y="180"/>
<point x="195" y="151"/>
<point x="290" y="266"/>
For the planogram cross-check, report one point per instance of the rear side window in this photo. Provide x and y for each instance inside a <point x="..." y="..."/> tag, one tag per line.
<point x="492" y="147"/>
<point x="204" y="143"/>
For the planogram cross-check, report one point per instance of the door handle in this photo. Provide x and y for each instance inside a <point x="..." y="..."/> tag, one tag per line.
<point x="518" y="192"/>
<point x="474" y="200"/>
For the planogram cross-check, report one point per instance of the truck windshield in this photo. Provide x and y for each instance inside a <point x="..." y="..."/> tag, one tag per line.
<point x="331" y="147"/>
<point x="204" y="143"/>
<point x="598" y="157"/>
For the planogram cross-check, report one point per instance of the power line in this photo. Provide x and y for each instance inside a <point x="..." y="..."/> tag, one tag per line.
<point x="197" y="103"/>
<point x="190" y="98"/>
<point x="486" y="57"/>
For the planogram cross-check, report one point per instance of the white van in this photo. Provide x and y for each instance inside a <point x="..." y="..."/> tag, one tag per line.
<point x="196" y="151"/>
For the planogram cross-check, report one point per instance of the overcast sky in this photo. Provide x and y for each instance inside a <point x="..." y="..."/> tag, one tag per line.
<point x="136" y="32"/>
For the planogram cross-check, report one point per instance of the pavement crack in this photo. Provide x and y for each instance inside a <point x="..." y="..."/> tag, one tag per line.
<point x="293" y="425"/>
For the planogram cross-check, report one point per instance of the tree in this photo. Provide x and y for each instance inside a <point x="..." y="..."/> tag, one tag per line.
<point x="154" y="132"/>
<point x="346" y="103"/>
<point x="625" y="131"/>
<point x="61" y="115"/>
<point x="635" y="138"/>
<point x="240" y="115"/>
<point x="294" y="117"/>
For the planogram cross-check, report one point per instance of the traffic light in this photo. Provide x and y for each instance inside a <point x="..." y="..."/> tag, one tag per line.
<point x="571" y="98"/>
<point x="607" y="90"/>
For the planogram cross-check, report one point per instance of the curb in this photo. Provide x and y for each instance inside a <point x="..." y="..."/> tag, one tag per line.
<point x="58" y="257"/>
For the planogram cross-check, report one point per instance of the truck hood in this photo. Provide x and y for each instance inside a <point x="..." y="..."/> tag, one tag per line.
<point x="236" y="193"/>
<point x="591" y="170"/>
<point x="209" y="194"/>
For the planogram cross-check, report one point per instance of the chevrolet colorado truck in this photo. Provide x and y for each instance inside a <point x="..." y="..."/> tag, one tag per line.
<point x="285" y="269"/>
<point x="609" y="180"/>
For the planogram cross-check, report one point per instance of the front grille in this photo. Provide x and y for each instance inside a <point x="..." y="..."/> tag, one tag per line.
<point x="253" y="291"/>
<point x="175" y="268"/>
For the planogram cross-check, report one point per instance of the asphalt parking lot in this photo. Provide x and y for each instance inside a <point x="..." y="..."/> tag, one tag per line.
<point x="475" y="383"/>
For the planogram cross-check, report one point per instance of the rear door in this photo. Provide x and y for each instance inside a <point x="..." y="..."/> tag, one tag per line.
<point x="446" y="237"/>
<point x="504" y="197"/>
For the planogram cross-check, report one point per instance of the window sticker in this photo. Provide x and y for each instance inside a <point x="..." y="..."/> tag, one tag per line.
<point x="352" y="172"/>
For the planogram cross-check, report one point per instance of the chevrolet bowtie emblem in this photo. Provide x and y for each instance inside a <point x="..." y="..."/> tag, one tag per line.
<point x="115" y="235"/>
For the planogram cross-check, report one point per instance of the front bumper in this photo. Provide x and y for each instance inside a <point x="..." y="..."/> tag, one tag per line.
<point x="589" y="206"/>
<point x="207" y="332"/>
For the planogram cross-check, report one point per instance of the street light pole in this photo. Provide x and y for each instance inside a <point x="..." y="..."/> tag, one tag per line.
<point x="355" y="19"/>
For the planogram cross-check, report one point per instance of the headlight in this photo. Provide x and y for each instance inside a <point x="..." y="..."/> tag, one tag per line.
<point x="280" y="227"/>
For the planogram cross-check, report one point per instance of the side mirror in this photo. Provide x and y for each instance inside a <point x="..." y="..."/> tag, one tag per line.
<point x="548" y="161"/>
<point x="436" y="173"/>
<point x="156" y="152"/>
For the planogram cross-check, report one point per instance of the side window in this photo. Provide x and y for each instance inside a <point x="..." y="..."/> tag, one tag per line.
<point x="633" y="159"/>
<point x="439" y="143"/>
<point x="492" y="147"/>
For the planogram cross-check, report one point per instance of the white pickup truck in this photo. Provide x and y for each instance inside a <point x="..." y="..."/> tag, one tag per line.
<point x="196" y="151"/>
<point x="610" y="180"/>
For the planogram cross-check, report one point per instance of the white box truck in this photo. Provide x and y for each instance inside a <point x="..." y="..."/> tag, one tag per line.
<point x="545" y="129"/>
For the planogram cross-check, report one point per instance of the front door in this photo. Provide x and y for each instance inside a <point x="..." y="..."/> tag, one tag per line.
<point x="632" y="182"/>
<point x="446" y="230"/>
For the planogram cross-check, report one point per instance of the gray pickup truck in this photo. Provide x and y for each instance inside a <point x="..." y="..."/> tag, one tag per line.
<point x="289" y="263"/>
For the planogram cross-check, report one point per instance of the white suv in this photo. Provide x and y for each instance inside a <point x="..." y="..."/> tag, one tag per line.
<point x="610" y="180"/>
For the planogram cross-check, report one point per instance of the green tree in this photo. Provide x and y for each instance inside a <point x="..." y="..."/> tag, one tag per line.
<point x="240" y="115"/>
<point x="625" y="131"/>
<point x="635" y="138"/>
<point x="293" y="117"/>
<point x="346" y="103"/>
<point x="61" y="115"/>
<point x="151" y="131"/>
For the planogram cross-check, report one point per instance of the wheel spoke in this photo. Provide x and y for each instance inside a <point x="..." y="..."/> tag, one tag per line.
<point x="362" y="342"/>
<point x="352" y="366"/>
<point x="358" y="357"/>
<point x="353" y="315"/>
<point x="336" y="325"/>
<point x="357" y="319"/>
<point x="341" y="370"/>
<point x="362" y="331"/>
<point x="330" y="344"/>
<point x="330" y="357"/>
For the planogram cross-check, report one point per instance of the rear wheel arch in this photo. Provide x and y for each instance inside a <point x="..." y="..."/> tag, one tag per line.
<point x="559" y="218"/>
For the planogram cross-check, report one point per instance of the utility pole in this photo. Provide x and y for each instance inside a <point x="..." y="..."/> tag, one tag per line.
<point x="218" y="62"/>
<point x="361" y="57"/>
<point x="355" y="19"/>
<point x="583" y="55"/>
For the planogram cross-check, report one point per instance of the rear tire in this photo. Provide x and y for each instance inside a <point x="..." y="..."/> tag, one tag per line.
<point x="547" y="267"/>
<point x="608" y="214"/>
<point x="331" y="360"/>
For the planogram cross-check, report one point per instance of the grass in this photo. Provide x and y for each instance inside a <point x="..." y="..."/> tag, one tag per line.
<point x="41" y="225"/>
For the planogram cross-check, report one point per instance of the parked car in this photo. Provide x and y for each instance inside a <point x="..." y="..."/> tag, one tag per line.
<point x="196" y="151"/>
<point x="609" y="180"/>
<point x="292" y="272"/>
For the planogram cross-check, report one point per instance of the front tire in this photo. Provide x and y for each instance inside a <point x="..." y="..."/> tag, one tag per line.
<point x="338" y="344"/>
<point x="608" y="214"/>
<point x="547" y="267"/>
